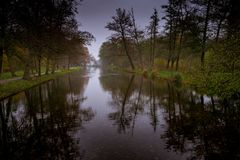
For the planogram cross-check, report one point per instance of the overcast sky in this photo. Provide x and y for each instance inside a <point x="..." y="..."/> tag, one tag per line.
<point x="94" y="15"/>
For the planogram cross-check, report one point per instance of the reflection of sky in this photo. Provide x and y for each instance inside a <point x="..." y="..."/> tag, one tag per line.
<point x="100" y="138"/>
<point x="94" y="15"/>
<point x="96" y="97"/>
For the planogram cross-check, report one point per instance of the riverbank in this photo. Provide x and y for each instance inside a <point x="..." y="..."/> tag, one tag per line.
<point x="8" y="75"/>
<point x="13" y="87"/>
<point x="224" y="85"/>
<point x="161" y="74"/>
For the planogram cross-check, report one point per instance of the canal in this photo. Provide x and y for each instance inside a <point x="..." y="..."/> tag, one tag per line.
<point x="97" y="115"/>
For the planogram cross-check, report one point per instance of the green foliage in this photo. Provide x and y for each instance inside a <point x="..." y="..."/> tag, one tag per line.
<point x="200" y="37"/>
<point x="33" y="31"/>
<point x="221" y="73"/>
<point x="177" y="78"/>
<point x="14" y="87"/>
<point x="8" y="75"/>
<point x="163" y="74"/>
<point x="225" y="85"/>
<point x="167" y="74"/>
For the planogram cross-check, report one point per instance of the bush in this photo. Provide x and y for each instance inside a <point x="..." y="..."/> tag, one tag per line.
<point x="177" y="78"/>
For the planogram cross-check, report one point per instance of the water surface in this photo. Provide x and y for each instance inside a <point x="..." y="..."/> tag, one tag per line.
<point x="92" y="115"/>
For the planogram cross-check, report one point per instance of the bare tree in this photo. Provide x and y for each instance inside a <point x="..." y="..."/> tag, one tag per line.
<point x="121" y="24"/>
<point x="137" y="35"/>
<point x="153" y="31"/>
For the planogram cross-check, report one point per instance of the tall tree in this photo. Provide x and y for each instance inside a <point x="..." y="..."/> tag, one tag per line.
<point x="121" y="24"/>
<point x="169" y="26"/>
<point x="205" y="8"/>
<point x="221" y="9"/>
<point x="7" y="23"/>
<point x="172" y="19"/>
<point x="184" y="20"/>
<point x="137" y="34"/>
<point x="153" y="31"/>
<point x="233" y="18"/>
<point x="205" y="31"/>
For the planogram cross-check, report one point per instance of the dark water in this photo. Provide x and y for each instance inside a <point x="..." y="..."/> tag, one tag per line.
<point x="105" y="116"/>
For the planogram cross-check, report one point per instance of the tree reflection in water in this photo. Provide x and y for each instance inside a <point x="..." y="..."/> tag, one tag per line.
<point x="41" y="122"/>
<point x="205" y="127"/>
<point x="45" y="122"/>
<point x="127" y="100"/>
<point x="200" y="128"/>
<point x="120" y="101"/>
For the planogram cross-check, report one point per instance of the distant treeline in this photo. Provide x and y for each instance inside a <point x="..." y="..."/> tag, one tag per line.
<point x="37" y="32"/>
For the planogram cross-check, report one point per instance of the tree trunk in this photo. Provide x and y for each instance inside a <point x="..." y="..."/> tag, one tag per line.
<point x="9" y="58"/>
<point x="68" y="66"/>
<point x="41" y="100"/>
<point x="168" y="62"/>
<point x="26" y="74"/>
<point x="3" y="21"/>
<point x="53" y="67"/>
<point x="126" y="96"/>
<point x="170" y="36"/>
<point x="172" y="63"/>
<point x="179" y="49"/>
<point x="205" y="32"/>
<point x="213" y="103"/>
<point x="218" y="30"/>
<point x="5" y="110"/>
<point x="1" y="60"/>
<point x="39" y="66"/>
<point x="219" y="26"/>
<point x="151" y="50"/>
<point x="202" y="101"/>
<point x="47" y="66"/>
<point x="154" y="45"/>
<point x="35" y="65"/>
<point x="136" y="37"/>
<point x="126" y="51"/>
<point x="153" y="54"/>
<point x="140" y="54"/>
<point x="172" y="58"/>
<point x="125" y="47"/>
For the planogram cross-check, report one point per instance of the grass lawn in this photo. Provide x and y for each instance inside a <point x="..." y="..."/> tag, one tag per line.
<point x="14" y="87"/>
<point x="166" y="74"/>
<point x="8" y="75"/>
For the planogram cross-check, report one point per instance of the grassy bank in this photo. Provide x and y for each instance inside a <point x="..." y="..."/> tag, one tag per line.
<point x="163" y="74"/>
<point x="8" y="75"/>
<point x="222" y="84"/>
<point x="17" y="86"/>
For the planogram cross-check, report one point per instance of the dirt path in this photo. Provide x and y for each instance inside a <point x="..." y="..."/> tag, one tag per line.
<point x="3" y="81"/>
<point x="9" y="80"/>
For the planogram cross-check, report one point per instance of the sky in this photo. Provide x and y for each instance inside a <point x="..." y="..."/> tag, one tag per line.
<point x="93" y="15"/>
